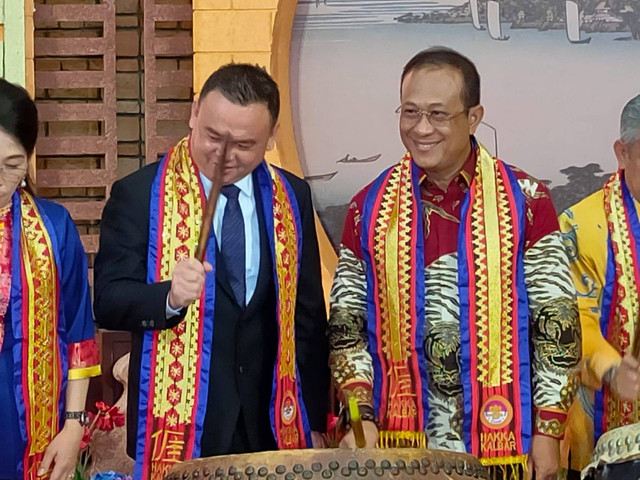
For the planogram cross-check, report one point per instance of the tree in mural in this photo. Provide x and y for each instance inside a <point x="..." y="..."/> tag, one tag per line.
<point x="581" y="182"/>
<point x="597" y="15"/>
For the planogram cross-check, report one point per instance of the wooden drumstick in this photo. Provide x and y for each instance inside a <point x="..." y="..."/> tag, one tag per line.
<point x="212" y="201"/>
<point x="635" y="350"/>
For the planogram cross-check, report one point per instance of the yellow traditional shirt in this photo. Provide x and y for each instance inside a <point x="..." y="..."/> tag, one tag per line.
<point x="585" y="234"/>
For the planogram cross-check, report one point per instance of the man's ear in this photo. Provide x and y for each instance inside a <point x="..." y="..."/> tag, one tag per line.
<point x="476" y="114"/>
<point x="272" y="138"/>
<point x="620" y="149"/>
<point x="195" y="107"/>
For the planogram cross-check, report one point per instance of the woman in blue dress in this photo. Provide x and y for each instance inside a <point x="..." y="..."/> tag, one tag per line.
<point x="47" y="346"/>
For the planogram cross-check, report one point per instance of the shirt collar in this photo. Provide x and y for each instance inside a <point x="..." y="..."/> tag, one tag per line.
<point x="468" y="169"/>
<point x="245" y="185"/>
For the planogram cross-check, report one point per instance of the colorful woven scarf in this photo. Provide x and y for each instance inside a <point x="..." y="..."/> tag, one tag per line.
<point x="620" y="304"/>
<point x="174" y="371"/>
<point x="40" y="360"/>
<point x="493" y="310"/>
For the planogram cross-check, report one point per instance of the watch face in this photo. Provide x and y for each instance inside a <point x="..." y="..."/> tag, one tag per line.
<point x="81" y="417"/>
<point x="84" y="419"/>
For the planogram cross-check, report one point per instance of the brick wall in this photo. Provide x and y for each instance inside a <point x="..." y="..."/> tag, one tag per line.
<point x="81" y="179"/>
<point x="130" y="105"/>
<point x="50" y="92"/>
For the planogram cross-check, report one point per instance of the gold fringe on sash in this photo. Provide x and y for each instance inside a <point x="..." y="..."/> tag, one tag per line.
<point x="507" y="468"/>
<point x="395" y="439"/>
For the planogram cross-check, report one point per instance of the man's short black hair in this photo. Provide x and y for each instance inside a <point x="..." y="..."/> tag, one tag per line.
<point x="244" y="84"/>
<point x="446" y="57"/>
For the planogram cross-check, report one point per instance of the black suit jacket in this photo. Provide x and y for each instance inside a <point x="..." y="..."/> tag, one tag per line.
<point x="245" y="340"/>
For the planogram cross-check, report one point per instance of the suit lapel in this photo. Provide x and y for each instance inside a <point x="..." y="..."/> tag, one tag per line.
<point x="222" y="278"/>
<point x="265" y="272"/>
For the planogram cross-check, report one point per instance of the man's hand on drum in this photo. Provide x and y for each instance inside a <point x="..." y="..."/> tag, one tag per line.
<point x="187" y="281"/>
<point x="625" y="381"/>
<point x="544" y="458"/>
<point x="370" y="436"/>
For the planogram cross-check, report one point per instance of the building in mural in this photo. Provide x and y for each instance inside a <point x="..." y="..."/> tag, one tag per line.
<point x="545" y="67"/>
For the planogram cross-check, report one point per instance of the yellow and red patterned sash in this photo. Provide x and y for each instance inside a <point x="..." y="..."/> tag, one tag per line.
<point x="288" y="417"/>
<point x="41" y="366"/>
<point x="620" y="303"/>
<point x="394" y="255"/>
<point x="171" y="358"/>
<point x="175" y="362"/>
<point x="494" y="317"/>
<point x="493" y="310"/>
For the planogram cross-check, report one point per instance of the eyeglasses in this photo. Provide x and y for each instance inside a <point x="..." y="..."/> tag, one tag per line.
<point x="436" y="118"/>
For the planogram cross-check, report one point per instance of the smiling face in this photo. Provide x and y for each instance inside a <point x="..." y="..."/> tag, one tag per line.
<point x="442" y="151"/>
<point x="248" y="129"/>
<point x="13" y="166"/>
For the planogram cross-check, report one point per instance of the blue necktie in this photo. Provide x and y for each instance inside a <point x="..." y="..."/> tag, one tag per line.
<point x="233" y="243"/>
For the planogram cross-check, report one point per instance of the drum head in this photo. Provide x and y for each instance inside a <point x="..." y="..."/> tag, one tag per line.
<point x="336" y="464"/>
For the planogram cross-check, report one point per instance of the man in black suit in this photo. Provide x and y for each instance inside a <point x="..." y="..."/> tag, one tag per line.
<point x="248" y="405"/>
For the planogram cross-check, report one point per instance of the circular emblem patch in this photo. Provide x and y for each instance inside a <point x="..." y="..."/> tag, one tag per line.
<point x="496" y="412"/>
<point x="288" y="409"/>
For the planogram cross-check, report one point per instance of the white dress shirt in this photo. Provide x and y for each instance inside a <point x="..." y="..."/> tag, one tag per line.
<point x="248" y="207"/>
<point x="251" y="229"/>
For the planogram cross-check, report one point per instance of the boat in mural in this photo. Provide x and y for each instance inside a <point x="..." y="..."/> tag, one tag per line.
<point x="475" y="16"/>
<point x="349" y="159"/>
<point x="572" y="21"/>
<point x="493" y="21"/>
<point x="324" y="177"/>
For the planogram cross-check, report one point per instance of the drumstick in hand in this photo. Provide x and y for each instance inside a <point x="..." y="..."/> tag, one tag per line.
<point x="210" y="208"/>
<point x="635" y="346"/>
<point x="356" y="421"/>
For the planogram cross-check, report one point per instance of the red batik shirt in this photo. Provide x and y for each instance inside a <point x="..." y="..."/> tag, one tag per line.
<point x="551" y="301"/>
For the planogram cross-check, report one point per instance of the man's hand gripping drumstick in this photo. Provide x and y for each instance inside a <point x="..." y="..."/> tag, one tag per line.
<point x="188" y="276"/>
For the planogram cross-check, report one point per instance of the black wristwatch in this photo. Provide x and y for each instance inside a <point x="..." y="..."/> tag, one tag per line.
<point x="82" y="417"/>
<point x="367" y="413"/>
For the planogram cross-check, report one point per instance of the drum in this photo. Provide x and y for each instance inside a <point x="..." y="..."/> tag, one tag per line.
<point x="616" y="456"/>
<point x="334" y="464"/>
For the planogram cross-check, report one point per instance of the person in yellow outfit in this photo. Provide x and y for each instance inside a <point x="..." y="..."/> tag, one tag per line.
<point x="602" y="236"/>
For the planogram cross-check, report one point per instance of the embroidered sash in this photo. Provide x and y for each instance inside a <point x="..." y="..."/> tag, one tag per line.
<point x="620" y="305"/>
<point x="493" y="310"/>
<point x="40" y="361"/>
<point x="174" y="371"/>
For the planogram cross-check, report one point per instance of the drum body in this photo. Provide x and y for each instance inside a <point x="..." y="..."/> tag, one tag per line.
<point x="333" y="464"/>
<point x="616" y="456"/>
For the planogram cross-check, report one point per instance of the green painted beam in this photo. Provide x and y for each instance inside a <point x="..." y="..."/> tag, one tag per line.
<point x="14" y="41"/>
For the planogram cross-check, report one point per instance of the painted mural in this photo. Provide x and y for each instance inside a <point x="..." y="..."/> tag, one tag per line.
<point x="555" y="75"/>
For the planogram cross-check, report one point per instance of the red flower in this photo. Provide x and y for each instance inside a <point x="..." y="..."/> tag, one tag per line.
<point x="108" y="417"/>
<point x="86" y="438"/>
<point x="332" y="421"/>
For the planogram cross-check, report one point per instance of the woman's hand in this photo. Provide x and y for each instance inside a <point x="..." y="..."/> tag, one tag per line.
<point x="62" y="452"/>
